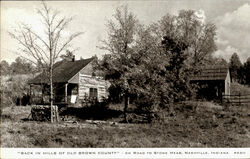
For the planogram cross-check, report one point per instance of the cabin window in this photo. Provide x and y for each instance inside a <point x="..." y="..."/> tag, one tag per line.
<point x="93" y="93"/>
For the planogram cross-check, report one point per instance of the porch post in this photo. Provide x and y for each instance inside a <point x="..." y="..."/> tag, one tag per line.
<point x="66" y="93"/>
<point x="30" y="94"/>
<point x="43" y="93"/>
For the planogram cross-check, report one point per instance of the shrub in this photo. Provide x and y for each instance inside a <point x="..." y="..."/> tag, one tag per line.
<point x="14" y="90"/>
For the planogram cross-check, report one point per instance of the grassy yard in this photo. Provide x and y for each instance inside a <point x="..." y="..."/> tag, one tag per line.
<point x="208" y="125"/>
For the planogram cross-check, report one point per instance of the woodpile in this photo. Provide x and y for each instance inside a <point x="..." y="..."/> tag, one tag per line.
<point x="43" y="113"/>
<point x="139" y="118"/>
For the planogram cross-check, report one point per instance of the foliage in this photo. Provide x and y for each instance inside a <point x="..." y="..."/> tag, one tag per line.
<point x="234" y="66"/>
<point x="217" y="61"/>
<point x="22" y="66"/>
<point x="14" y="88"/>
<point x="191" y="30"/>
<point x="247" y="71"/>
<point x="239" y="72"/>
<point x="68" y="55"/>
<point x="244" y="73"/>
<point x="19" y="66"/>
<point x="4" y="68"/>
<point x="121" y="36"/>
<point x="151" y="64"/>
<point x="117" y="65"/>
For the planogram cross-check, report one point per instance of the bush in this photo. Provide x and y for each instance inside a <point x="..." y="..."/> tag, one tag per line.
<point x="15" y="90"/>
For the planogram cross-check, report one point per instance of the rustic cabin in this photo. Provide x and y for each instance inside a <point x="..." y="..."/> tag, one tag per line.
<point x="212" y="81"/>
<point x="74" y="82"/>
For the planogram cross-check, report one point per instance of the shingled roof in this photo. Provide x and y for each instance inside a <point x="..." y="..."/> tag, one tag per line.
<point x="210" y="73"/>
<point x="63" y="71"/>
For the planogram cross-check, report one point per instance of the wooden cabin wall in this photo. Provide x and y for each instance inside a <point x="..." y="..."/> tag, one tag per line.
<point x="86" y="82"/>
<point x="227" y="84"/>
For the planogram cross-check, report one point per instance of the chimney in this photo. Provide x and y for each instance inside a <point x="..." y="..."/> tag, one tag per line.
<point x="73" y="58"/>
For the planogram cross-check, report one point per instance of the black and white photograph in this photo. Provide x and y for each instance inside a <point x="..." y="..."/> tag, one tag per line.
<point x="125" y="74"/>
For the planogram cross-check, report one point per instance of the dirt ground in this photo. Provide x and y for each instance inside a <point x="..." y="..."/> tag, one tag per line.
<point x="189" y="124"/>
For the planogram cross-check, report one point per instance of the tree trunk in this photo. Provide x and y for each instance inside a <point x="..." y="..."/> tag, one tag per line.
<point x="51" y="93"/>
<point x="66" y="93"/>
<point x="126" y="103"/>
<point x="30" y="102"/>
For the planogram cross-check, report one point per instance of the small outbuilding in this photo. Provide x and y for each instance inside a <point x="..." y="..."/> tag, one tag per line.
<point x="74" y="82"/>
<point x="212" y="81"/>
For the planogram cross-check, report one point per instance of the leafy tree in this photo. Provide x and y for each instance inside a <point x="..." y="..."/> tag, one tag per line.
<point x="4" y="67"/>
<point x="234" y="66"/>
<point x="244" y="73"/>
<point x="217" y="61"/>
<point x="248" y="60"/>
<point x="196" y="34"/>
<point x="159" y="77"/>
<point x="247" y="71"/>
<point x="117" y="64"/>
<point x="190" y="44"/>
<point x="68" y="55"/>
<point x="152" y="63"/>
<point x="176" y="67"/>
<point x="21" y="66"/>
<point x="45" y="49"/>
<point x="220" y="61"/>
<point x="148" y="71"/>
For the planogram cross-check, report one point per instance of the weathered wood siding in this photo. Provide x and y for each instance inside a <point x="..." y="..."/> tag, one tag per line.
<point x="86" y="82"/>
<point x="75" y="79"/>
<point x="227" y="84"/>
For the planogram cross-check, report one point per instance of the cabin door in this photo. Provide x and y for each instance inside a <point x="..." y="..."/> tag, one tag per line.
<point x="72" y="93"/>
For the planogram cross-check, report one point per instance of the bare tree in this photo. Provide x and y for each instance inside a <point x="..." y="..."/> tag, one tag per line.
<point x="45" y="48"/>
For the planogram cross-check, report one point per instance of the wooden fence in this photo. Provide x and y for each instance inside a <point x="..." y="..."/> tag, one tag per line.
<point x="237" y="99"/>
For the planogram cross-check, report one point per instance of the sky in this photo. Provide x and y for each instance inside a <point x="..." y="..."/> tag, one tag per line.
<point x="231" y="17"/>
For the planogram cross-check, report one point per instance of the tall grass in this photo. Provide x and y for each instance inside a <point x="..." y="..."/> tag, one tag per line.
<point x="204" y="126"/>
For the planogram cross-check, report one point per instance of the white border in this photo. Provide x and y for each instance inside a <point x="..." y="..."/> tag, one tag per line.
<point x="122" y="153"/>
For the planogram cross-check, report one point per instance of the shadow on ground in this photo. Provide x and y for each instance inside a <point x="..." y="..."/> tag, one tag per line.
<point x="91" y="113"/>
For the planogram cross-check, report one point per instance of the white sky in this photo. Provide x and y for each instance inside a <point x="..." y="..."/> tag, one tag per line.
<point x="231" y="17"/>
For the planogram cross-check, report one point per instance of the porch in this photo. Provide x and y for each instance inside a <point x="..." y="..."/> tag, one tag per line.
<point x="63" y="93"/>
